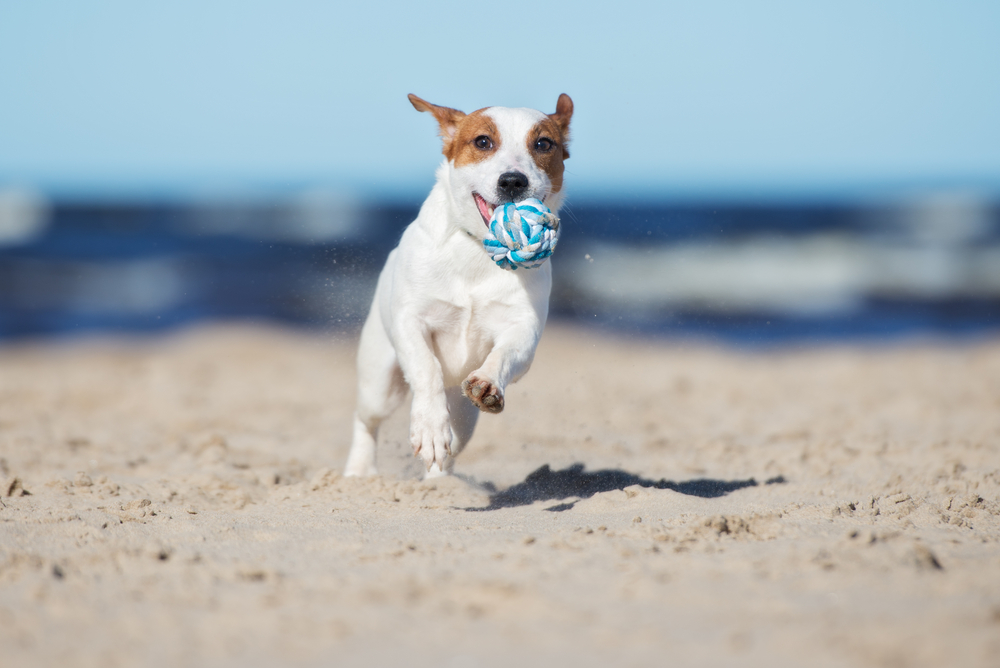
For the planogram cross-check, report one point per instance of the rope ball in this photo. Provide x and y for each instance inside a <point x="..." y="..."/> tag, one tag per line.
<point x="522" y="234"/>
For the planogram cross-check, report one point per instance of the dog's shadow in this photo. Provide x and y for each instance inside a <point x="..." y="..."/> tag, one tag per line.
<point x="544" y="484"/>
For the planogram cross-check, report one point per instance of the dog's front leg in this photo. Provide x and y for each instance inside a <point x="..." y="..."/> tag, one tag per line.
<point x="430" y="427"/>
<point x="510" y="358"/>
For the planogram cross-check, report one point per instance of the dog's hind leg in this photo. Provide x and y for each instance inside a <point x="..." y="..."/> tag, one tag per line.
<point x="381" y="389"/>
<point x="463" y="415"/>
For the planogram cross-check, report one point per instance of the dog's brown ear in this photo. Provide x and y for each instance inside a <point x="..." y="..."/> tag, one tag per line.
<point x="447" y="117"/>
<point x="564" y="112"/>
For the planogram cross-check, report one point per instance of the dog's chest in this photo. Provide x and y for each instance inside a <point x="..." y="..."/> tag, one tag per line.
<point x="466" y="324"/>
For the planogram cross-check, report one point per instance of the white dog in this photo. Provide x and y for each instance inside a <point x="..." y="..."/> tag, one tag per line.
<point x="446" y="320"/>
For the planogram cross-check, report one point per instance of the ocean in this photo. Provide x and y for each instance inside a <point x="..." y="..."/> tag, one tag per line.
<point x="744" y="274"/>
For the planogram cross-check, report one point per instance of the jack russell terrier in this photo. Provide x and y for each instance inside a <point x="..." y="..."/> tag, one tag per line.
<point x="446" y="322"/>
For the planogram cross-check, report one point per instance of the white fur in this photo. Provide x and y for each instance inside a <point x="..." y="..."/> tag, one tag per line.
<point x="444" y="312"/>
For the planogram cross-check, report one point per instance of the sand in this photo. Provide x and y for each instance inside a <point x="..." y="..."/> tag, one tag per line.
<point x="176" y="501"/>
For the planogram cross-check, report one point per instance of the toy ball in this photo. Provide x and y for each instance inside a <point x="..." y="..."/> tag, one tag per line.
<point x="522" y="235"/>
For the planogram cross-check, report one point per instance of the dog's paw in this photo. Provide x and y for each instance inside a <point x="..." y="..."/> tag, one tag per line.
<point x="483" y="393"/>
<point x="431" y="439"/>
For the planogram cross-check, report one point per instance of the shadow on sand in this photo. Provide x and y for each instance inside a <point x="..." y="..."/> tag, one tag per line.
<point x="544" y="484"/>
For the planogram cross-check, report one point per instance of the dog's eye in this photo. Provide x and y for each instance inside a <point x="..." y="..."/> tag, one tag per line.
<point x="544" y="144"/>
<point x="483" y="142"/>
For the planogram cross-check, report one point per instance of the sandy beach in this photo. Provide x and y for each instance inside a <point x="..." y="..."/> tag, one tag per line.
<point x="177" y="501"/>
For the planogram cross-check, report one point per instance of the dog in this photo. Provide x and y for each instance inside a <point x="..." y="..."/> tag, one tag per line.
<point x="446" y="322"/>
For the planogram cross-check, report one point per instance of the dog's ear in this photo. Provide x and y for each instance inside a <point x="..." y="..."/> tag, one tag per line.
<point x="447" y="117"/>
<point x="564" y="112"/>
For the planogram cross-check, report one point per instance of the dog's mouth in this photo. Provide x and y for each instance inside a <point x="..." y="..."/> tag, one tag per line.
<point x="485" y="208"/>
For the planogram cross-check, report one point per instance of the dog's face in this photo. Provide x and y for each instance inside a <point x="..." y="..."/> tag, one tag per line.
<point x="497" y="155"/>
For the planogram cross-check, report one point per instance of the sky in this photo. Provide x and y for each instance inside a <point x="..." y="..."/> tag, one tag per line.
<point x="709" y="98"/>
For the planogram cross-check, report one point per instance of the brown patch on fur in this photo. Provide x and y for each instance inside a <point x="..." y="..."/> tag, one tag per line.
<point x="463" y="149"/>
<point x="564" y="112"/>
<point x="447" y="118"/>
<point x="459" y="132"/>
<point x="555" y="128"/>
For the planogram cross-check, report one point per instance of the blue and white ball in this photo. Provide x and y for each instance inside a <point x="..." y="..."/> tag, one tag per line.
<point x="522" y="235"/>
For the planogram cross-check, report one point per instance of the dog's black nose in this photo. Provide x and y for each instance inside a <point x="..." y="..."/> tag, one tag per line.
<point x="512" y="185"/>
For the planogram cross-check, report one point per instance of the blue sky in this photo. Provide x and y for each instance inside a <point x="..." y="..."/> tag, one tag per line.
<point x="111" y="99"/>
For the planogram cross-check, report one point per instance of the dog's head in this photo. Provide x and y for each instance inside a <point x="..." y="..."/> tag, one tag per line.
<point x="497" y="155"/>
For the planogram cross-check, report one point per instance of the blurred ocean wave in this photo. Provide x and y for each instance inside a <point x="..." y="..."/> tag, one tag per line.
<point x="819" y="274"/>
<point x="24" y="215"/>
<point x="744" y="273"/>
